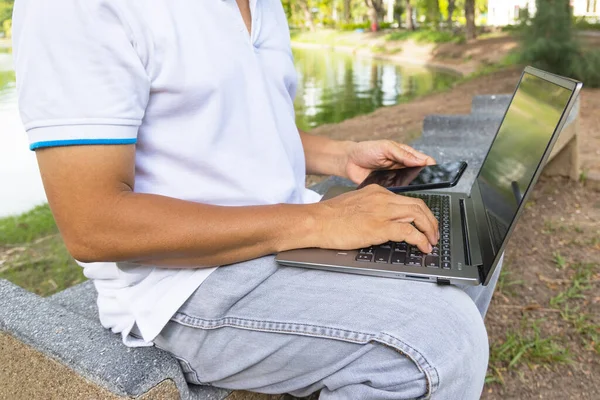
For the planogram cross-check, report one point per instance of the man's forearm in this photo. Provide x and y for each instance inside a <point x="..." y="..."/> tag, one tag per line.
<point x="163" y="231"/>
<point x="325" y="156"/>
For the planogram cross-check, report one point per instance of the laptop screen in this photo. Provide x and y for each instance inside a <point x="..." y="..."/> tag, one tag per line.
<point x="518" y="148"/>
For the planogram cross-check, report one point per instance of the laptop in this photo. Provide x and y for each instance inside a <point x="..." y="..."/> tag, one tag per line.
<point x="475" y="226"/>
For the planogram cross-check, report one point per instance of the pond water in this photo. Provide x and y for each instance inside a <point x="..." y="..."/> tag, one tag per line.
<point x="332" y="87"/>
<point x="20" y="183"/>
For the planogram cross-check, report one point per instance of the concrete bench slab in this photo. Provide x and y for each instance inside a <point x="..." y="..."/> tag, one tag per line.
<point x="92" y="352"/>
<point x="490" y="104"/>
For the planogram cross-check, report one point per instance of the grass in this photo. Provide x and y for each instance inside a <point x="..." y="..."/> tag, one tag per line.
<point x="584" y="324"/>
<point x="506" y="284"/>
<point x="426" y="36"/>
<point x="559" y="260"/>
<point x="525" y="347"/>
<point x="580" y="283"/>
<point x="512" y="59"/>
<point x="34" y="256"/>
<point x="332" y="37"/>
<point x="27" y="227"/>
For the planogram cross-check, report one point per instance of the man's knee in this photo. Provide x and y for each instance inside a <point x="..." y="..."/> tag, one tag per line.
<point x="462" y="372"/>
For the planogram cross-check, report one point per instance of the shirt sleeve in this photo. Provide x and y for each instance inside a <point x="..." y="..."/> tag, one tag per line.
<point x="79" y="77"/>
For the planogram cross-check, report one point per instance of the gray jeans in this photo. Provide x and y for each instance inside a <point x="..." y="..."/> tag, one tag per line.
<point x="270" y="329"/>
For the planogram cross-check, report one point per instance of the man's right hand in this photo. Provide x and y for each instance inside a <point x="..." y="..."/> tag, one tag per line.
<point x="374" y="215"/>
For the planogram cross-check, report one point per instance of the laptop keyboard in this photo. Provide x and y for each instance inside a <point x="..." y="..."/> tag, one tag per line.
<point x="405" y="254"/>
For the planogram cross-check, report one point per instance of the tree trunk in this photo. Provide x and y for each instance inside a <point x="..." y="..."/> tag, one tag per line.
<point x="376" y="10"/>
<point x="410" y="24"/>
<point x="347" y="11"/>
<point x="470" y="16"/>
<point x="451" y="6"/>
<point x="308" y="17"/>
<point x="435" y="15"/>
<point x="374" y="19"/>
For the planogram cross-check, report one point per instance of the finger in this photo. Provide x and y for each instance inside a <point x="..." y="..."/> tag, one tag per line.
<point x="426" y="213"/>
<point x="404" y="232"/>
<point x="417" y="154"/>
<point x="415" y="214"/>
<point x="398" y="155"/>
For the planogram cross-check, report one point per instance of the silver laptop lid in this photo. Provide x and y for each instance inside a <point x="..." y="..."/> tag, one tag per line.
<point x="538" y="110"/>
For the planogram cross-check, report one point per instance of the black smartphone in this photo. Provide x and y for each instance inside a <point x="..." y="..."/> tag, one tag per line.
<point x="417" y="178"/>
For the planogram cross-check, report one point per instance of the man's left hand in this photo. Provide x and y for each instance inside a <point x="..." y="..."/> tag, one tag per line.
<point x="365" y="157"/>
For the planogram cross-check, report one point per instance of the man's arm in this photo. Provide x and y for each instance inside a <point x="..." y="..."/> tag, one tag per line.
<point x="355" y="160"/>
<point x="90" y="191"/>
<point x="101" y="218"/>
<point x="325" y="156"/>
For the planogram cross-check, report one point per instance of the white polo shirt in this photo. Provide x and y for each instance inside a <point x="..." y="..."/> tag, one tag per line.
<point x="208" y="105"/>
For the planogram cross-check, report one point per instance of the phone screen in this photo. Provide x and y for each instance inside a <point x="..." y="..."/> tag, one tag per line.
<point x="431" y="176"/>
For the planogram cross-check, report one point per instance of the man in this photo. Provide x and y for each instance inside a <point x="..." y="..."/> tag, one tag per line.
<point x="166" y="141"/>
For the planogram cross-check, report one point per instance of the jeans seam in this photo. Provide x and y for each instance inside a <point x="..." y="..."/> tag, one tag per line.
<point x="182" y="360"/>
<point x="431" y="374"/>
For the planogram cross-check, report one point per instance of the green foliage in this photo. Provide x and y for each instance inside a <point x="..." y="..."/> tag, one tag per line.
<point x="585" y="24"/>
<point x="7" y="28"/>
<point x="350" y="15"/>
<point x="549" y="43"/>
<point x="586" y="67"/>
<point x="352" y="26"/>
<point x="6" y="9"/>
<point x="6" y="77"/>
<point x="426" y="36"/>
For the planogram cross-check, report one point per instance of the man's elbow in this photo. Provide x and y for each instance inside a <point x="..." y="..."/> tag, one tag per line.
<point x="90" y="246"/>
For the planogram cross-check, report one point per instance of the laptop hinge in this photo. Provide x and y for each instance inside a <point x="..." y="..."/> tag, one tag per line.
<point x="467" y="240"/>
<point x="465" y="231"/>
<point x="481" y="273"/>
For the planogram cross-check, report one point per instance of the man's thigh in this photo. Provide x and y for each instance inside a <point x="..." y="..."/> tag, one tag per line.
<point x="262" y="327"/>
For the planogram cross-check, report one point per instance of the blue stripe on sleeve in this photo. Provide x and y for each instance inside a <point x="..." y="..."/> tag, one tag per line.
<point x="75" y="142"/>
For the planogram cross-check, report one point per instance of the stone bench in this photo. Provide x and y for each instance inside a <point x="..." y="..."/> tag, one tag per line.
<point x="55" y="347"/>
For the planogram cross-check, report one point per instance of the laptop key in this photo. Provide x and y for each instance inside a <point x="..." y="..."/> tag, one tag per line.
<point x="402" y="246"/>
<point x="398" y="257"/>
<point x="445" y="258"/>
<point x="382" y="255"/>
<point x="415" y="252"/>
<point x="432" y="262"/>
<point x="446" y="265"/>
<point x="366" y="250"/>
<point x="415" y="261"/>
<point x="364" y="257"/>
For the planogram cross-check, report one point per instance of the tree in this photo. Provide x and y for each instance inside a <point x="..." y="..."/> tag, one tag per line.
<point x="306" y="8"/>
<point x="433" y="13"/>
<point x="410" y="23"/>
<point x="376" y="10"/>
<point x="470" y="16"/>
<point x="6" y="9"/>
<point x="548" y="42"/>
<point x="451" y="6"/>
<point x="347" y="11"/>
